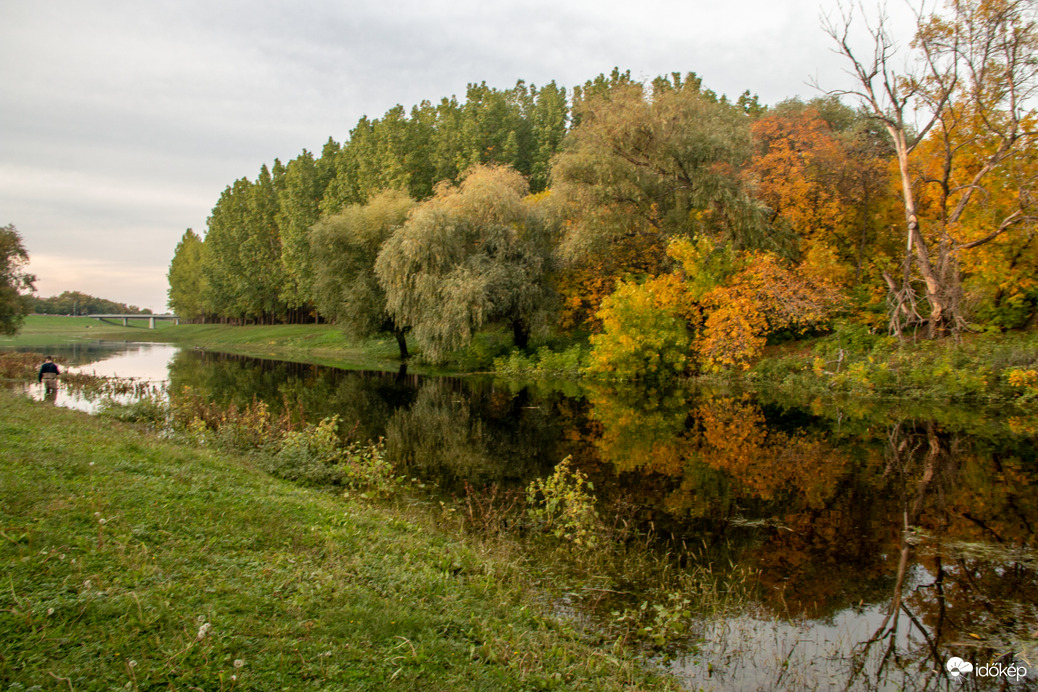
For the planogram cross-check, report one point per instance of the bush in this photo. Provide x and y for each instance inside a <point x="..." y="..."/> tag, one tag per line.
<point x="150" y="411"/>
<point x="570" y="362"/>
<point x="562" y="505"/>
<point x="645" y="335"/>
<point x="312" y="455"/>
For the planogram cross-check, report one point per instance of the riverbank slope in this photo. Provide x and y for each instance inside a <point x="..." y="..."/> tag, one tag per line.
<point x="133" y="561"/>
<point x="320" y="344"/>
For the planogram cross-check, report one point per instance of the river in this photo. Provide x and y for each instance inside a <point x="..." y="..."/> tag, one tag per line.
<point x="880" y="542"/>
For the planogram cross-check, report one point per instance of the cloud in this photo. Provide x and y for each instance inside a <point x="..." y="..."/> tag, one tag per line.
<point x="116" y="279"/>
<point x="124" y="121"/>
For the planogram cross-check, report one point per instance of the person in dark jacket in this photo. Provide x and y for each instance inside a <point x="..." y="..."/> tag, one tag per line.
<point x="48" y="374"/>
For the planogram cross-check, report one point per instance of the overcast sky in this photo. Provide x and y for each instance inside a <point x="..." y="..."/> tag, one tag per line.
<point x="121" y="122"/>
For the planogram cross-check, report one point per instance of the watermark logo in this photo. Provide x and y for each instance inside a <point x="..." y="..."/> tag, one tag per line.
<point x="1013" y="672"/>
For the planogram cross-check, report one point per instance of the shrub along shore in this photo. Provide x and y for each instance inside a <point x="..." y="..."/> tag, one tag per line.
<point x="134" y="561"/>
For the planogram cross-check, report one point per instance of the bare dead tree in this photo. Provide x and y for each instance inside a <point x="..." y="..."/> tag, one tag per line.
<point x="971" y="73"/>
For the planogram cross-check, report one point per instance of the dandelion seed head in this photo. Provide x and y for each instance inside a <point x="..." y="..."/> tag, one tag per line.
<point x="238" y="663"/>
<point x="50" y="611"/>
<point x="133" y="664"/>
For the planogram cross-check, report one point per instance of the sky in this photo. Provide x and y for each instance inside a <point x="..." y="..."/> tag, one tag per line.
<point x="121" y="121"/>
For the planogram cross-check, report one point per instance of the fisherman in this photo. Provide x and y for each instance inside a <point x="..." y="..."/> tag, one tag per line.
<point x="48" y="375"/>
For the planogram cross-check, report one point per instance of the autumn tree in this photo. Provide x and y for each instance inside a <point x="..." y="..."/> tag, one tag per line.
<point x="344" y="247"/>
<point x="474" y="254"/>
<point x="715" y="311"/>
<point x="821" y="170"/>
<point x="641" y="168"/>
<point x="16" y="284"/>
<point x="763" y="297"/>
<point x="974" y="77"/>
<point x="645" y="331"/>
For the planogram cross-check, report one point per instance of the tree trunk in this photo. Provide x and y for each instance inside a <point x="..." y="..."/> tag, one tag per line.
<point x="520" y="333"/>
<point x="401" y="341"/>
<point x="943" y="318"/>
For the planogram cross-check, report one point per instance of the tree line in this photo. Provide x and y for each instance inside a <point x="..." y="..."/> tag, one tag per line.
<point x="78" y="303"/>
<point x="681" y="227"/>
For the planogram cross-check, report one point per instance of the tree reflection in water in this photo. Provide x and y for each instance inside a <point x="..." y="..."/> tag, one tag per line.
<point x="915" y="538"/>
<point x="883" y="544"/>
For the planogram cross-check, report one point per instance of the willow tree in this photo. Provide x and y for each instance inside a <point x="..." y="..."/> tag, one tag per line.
<point x="473" y="254"/>
<point x="343" y="248"/>
<point x="973" y="77"/>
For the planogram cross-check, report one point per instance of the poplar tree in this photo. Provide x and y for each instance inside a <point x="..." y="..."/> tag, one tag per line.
<point x="298" y="210"/>
<point x="186" y="282"/>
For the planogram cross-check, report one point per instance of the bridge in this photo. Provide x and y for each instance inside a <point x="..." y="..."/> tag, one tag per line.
<point x="125" y="318"/>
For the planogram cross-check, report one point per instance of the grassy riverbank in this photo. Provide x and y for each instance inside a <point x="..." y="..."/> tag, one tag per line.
<point x="321" y="344"/>
<point x="132" y="561"/>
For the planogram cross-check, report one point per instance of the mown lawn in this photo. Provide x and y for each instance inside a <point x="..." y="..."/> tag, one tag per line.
<point x="133" y="562"/>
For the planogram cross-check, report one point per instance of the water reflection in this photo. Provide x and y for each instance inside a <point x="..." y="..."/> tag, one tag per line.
<point x="146" y="364"/>
<point x="884" y="542"/>
<point x="883" y="545"/>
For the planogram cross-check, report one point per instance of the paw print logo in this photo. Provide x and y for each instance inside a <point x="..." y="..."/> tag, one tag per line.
<point x="956" y="667"/>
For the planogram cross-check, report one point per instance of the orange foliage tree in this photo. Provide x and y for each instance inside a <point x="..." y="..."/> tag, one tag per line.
<point x="821" y="169"/>
<point x="764" y="297"/>
<point x="716" y="311"/>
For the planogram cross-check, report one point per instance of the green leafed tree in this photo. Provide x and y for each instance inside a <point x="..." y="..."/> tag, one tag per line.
<point x="186" y="282"/>
<point x="344" y="247"/>
<point x="242" y="263"/>
<point x="222" y="265"/>
<point x="79" y="303"/>
<point x="657" y="165"/>
<point x="298" y="210"/>
<point x="473" y="254"/>
<point x="16" y="284"/>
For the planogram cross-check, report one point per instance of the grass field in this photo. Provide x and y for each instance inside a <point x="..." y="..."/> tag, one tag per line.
<point x="132" y="562"/>
<point x="321" y="343"/>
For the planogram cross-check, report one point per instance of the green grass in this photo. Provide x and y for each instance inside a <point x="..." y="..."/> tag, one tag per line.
<point x="321" y="344"/>
<point x="46" y="329"/>
<point x="305" y="589"/>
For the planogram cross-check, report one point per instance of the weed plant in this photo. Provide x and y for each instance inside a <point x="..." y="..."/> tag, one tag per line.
<point x="628" y="588"/>
<point x="544" y="362"/>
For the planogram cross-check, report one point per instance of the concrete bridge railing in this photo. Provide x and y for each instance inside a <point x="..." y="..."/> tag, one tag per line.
<point x="125" y="318"/>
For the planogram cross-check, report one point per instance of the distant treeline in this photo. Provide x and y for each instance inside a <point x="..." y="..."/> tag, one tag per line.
<point x="76" y="303"/>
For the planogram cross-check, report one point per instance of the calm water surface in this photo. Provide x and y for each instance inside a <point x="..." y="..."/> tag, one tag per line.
<point x="883" y="541"/>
